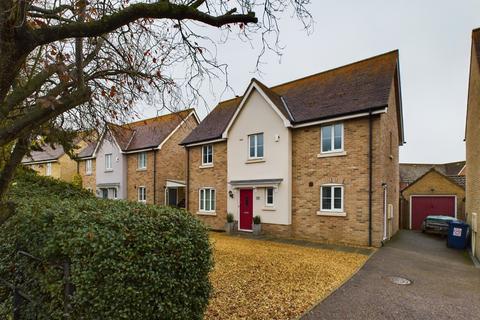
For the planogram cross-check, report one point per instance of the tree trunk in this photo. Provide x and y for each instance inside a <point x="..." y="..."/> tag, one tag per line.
<point x="6" y="176"/>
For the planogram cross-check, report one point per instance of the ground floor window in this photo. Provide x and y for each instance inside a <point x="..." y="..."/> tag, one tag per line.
<point x="142" y="194"/>
<point x="269" y="197"/>
<point x="207" y="200"/>
<point x="331" y="198"/>
<point x="49" y="169"/>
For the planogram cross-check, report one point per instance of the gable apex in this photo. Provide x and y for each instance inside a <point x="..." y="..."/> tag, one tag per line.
<point x="271" y="98"/>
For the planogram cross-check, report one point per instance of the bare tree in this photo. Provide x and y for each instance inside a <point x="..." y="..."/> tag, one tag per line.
<point x="69" y="64"/>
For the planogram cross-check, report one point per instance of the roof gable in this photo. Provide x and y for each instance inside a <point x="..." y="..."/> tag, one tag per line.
<point x="348" y="90"/>
<point x="270" y="97"/>
<point x="431" y="172"/>
<point x="145" y="134"/>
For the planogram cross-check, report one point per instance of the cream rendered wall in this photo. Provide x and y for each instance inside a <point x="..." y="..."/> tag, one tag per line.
<point x="119" y="165"/>
<point x="258" y="116"/>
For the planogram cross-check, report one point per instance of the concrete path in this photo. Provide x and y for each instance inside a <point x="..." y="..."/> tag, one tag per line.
<point x="445" y="284"/>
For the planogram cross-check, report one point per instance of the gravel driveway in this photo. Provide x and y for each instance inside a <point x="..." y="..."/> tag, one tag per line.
<point x="445" y="284"/>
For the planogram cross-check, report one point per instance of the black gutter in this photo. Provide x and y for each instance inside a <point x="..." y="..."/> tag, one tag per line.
<point x="187" y="182"/>
<point x="371" y="109"/>
<point x="370" y="175"/>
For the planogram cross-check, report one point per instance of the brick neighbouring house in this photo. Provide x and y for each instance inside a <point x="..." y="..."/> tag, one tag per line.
<point x="279" y="152"/>
<point x="472" y="139"/>
<point x="53" y="161"/>
<point x="140" y="161"/>
<point x="439" y="190"/>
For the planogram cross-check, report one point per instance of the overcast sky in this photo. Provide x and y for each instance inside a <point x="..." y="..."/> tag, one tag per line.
<point x="433" y="37"/>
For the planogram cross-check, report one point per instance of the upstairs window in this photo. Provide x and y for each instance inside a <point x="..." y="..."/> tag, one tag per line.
<point x="108" y="162"/>
<point x="142" y="160"/>
<point x="88" y="166"/>
<point x="207" y="154"/>
<point x="255" y="143"/>
<point x="331" y="198"/>
<point x="332" y="138"/>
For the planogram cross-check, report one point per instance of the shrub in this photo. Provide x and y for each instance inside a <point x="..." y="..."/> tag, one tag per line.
<point x="77" y="180"/>
<point x="257" y="220"/>
<point x="128" y="260"/>
<point x="230" y="218"/>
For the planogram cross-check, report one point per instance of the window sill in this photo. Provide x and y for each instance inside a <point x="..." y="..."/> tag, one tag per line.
<point x="205" y="166"/>
<point x="269" y="209"/>
<point x="202" y="213"/>
<point x="331" y="214"/>
<point x="255" y="161"/>
<point x="109" y="170"/>
<point x="89" y="174"/>
<point x="332" y="154"/>
<point x="142" y="169"/>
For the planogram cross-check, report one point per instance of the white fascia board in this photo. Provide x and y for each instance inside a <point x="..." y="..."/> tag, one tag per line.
<point x="205" y="142"/>
<point x="252" y="86"/>
<point x="353" y="116"/>
<point x="39" y="162"/>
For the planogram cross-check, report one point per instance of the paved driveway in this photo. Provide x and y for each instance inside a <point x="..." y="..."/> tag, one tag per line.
<point x="445" y="285"/>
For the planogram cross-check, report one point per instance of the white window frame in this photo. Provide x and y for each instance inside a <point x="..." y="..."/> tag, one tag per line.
<point x="115" y="193"/>
<point x="267" y="204"/>
<point x="256" y="145"/>
<point x="142" y="161"/>
<point x="108" y="164"/>
<point x="88" y="166"/>
<point x="139" y="194"/>
<point x="48" y="169"/>
<point x="332" y="200"/>
<point x="332" y="141"/>
<point x="211" y="210"/>
<point x="203" y="155"/>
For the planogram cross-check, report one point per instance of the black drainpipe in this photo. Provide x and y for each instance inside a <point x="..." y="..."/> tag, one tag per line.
<point x="155" y="176"/>
<point x="370" y="175"/>
<point x="187" y="182"/>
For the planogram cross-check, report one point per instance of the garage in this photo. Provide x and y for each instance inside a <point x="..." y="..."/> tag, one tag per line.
<point x="423" y="206"/>
<point x="431" y="194"/>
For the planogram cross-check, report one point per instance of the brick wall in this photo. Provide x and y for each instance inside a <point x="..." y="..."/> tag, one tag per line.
<point x="351" y="170"/>
<point x="172" y="159"/>
<point x="389" y="159"/>
<point x="473" y="146"/>
<point x="215" y="177"/>
<point x="170" y="164"/>
<point x="88" y="180"/>
<point x="140" y="177"/>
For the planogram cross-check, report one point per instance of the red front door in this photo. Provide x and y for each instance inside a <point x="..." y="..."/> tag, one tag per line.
<point x="246" y="209"/>
<point x="427" y="206"/>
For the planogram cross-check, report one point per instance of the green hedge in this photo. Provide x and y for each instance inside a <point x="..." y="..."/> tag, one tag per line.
<point x="128" y="260"/>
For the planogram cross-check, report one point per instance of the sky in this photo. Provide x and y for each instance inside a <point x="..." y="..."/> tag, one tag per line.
<point x="433" y="38"/>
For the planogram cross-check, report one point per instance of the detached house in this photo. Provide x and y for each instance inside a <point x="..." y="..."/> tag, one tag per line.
<point x="472" y="139"/>
<point x="52" y="161"/>
<point x="315" y="158"/>
<point x="140" y="161"/>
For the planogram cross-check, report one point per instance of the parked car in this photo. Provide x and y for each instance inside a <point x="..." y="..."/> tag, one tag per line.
<point x="437" y="224"/>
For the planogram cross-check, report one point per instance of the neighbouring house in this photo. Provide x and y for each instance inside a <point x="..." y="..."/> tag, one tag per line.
<point x="52" y="161"/>
<point x="410" y="172"/>
<point x="316" y="158"/>
<point x="432" y="193"/>
<point x="86" y="166"/>
<point x="140" y="161"/>
<point x="472" y="139"/>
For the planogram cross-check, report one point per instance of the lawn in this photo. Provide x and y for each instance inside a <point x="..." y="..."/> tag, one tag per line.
<point x="267" y="280"/>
